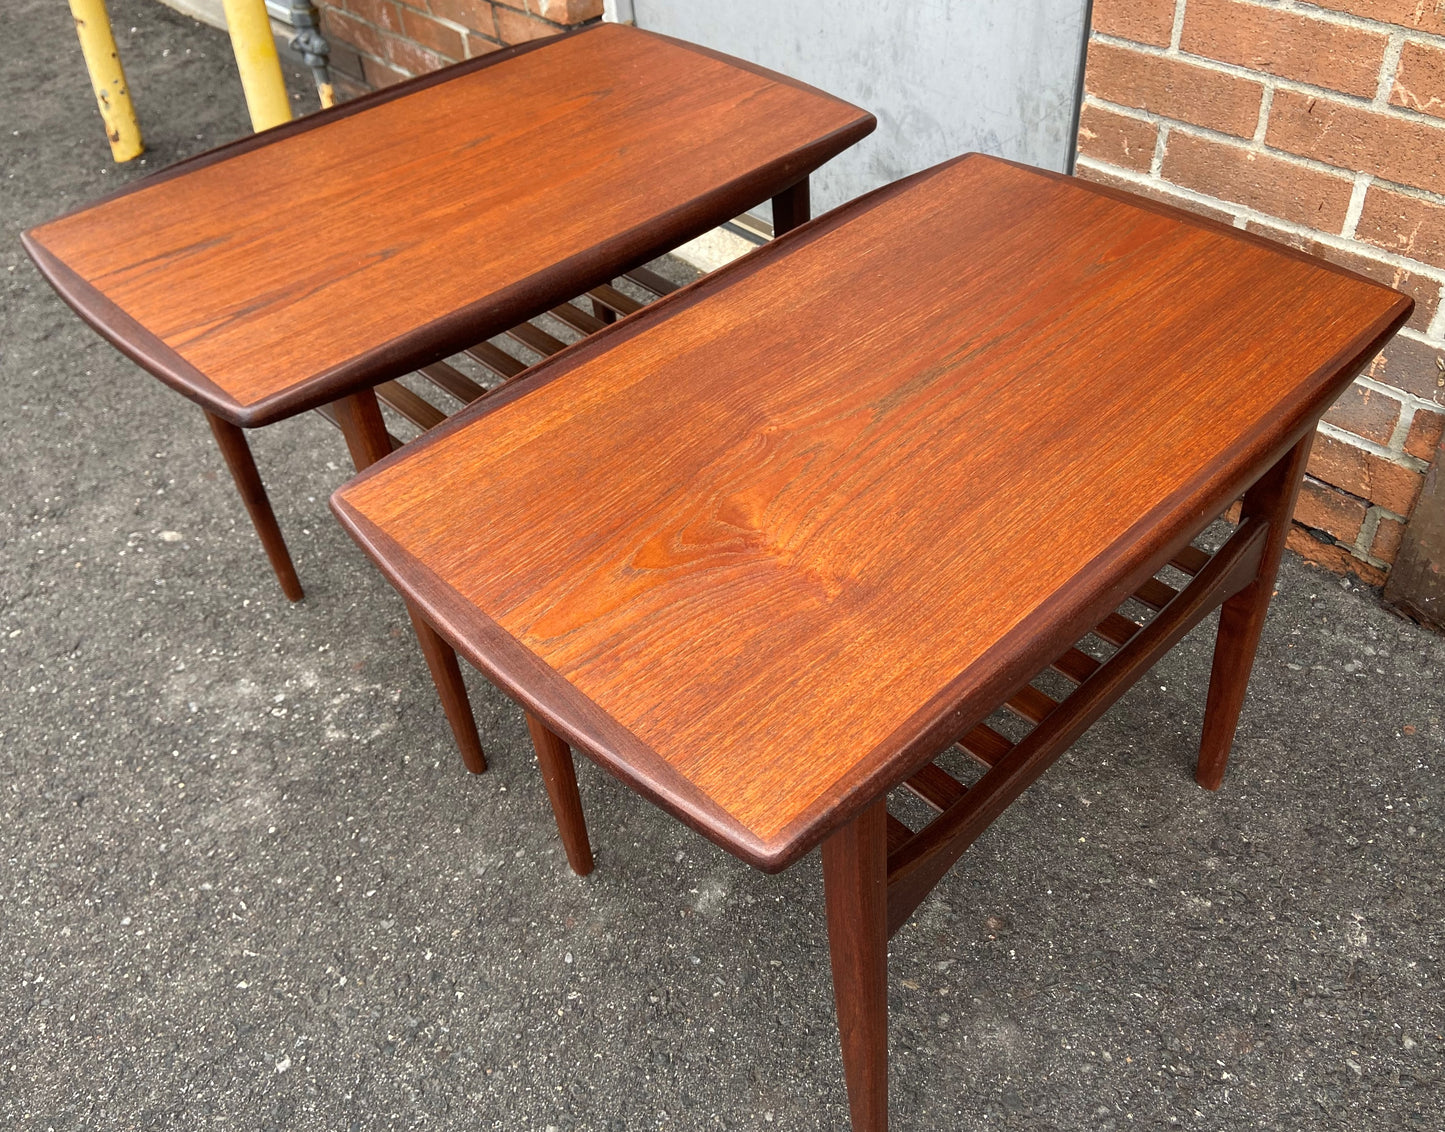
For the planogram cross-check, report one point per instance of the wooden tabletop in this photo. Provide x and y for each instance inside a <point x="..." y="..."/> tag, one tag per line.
<point x="348" y="248"/>
<point x="766" y="547"/>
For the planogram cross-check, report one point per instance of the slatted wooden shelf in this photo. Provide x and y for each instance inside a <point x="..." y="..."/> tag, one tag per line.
<point x="917" y="859"/>
<point x="607" y="303"/>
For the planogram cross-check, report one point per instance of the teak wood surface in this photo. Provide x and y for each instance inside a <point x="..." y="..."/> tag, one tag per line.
<point x="288" y="269"/>
<point x="764" y="548"/>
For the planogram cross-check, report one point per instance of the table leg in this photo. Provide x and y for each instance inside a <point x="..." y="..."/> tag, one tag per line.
<point x="361" y="423"/>
<point x="237" y="453"/>
<point x="560" y="776"/>
<point x="1241" y="618"/>
<point x="855" y="881"/>
<point x="791" y="207"/>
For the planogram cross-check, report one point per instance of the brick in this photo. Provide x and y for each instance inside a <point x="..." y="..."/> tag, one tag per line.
<point x="378" y="74"/>
<point x="1407" y="151"/>
<point x="1260" y="181"/>
<point x="1323" y="508"/>
<point x="1367" y="413"/>
<point x="1426" y="15"/>
<point x="1290" y="44"/>
<point x="1420" y="79"/>
<point x="567" y="12"/>
<point x="412" y="57"/>
<point x="1415" y="367"/>
<point x="344" y="63"/>
<point x="1424" y="290"/>
<point x="365" y="38"/>
<point x="476" y="45"/>
<point x="1364" y="474"/>
<point x="514" y="27"/>
<point x="1409" y="226"/>
<point x="1116" y="138"/>
<point x="474" y="14"/>
<point x="1338" y="559"/>
<point x="379" y="13"/>
<point x="1426" y="430"/>
<point x="1174" y="88"/>
<point x="429" y="33"/>
<point x="1143" y="21"/>
<point x="1386" y="543"/>
<point x="1155" y="190"/>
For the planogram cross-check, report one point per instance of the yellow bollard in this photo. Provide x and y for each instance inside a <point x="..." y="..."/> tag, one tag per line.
<point x="258" y="63"/>
<point x="107" y="77"/>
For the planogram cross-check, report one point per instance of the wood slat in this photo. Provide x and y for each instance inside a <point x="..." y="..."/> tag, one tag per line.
<point x="936" y="787"/>
<point x="915" y="869"/>
<point x="1116" y="629"/>
<point x="603" y="313"/>
<point x="1031" y="704"/>
<point x="534" y="338"/>
<point x="577" y="318"/>
<point x="1155" y="594"/>
<point x="1191" y="560"/>
<point x="1076" y="665"/>
<point x="495" y="359"/>
<point x="610" y="297"/>
<point x="419" y="411"/>
<point x="652" y="281"/>
<point x="985" y="744"/>
<point x="451" y="380"/>
<point x="898" y="834"/>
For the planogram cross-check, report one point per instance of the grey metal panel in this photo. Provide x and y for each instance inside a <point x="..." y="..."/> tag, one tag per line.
<point x="943" y="76"/>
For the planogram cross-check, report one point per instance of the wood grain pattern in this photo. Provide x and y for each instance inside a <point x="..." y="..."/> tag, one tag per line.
<point x="435" y="218"/>
<point x="766" y="547"/>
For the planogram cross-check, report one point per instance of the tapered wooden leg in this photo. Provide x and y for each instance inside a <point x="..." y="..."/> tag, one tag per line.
<point x="555" y="759"/>
<point x="1241" y="618"/>
<point x="237" y="452"/>
<point x="791" y="207"/>
<point x="855" y="881"/>
<point x="361" y="423"/>
<point x="446" y="674"/>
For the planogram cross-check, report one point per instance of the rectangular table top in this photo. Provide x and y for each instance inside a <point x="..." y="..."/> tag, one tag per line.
<point x="355" y="245"/>
<point x="766" y="547"/>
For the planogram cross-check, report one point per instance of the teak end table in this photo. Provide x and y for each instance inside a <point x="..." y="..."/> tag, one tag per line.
<point x="307" y="266"/>
<point x="768" y="548"/>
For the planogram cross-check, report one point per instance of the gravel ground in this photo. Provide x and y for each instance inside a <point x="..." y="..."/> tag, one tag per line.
<point x="246" y="883"/>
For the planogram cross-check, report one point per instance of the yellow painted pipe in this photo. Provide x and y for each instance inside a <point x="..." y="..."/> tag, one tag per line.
<point x="258" y="63"/>
<point x="107" y="77"/>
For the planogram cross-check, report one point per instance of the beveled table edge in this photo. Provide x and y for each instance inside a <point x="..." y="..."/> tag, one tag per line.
<point x="467" y="325"/>
<point x="1068" y="614"/>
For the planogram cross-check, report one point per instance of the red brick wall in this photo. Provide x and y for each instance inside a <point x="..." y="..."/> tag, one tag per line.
<point x="378" y="42"/>
<point x="1321" y="125"/>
